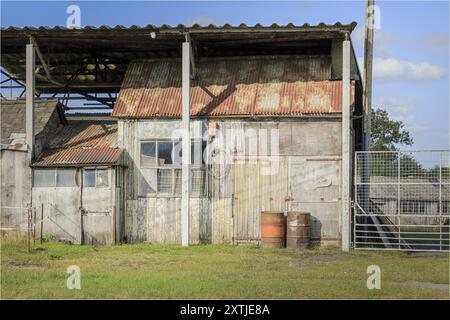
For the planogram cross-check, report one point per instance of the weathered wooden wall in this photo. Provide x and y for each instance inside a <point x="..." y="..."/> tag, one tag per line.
<point x="303" y="175"/>
<point x="313" y="150"/>
<point x="61" y="210"/>
<point x="98" y="213"/>
<point x="15" y="188"/>
<point x="75" y="214"/>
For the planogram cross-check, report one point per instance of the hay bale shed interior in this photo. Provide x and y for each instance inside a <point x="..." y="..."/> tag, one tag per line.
<point x="266" y="118"/>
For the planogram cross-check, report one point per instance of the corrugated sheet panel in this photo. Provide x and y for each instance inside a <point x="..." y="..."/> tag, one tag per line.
<point x="270" y="86"/>
<point x="82" y="142"/>
<point x="181" y="27"/>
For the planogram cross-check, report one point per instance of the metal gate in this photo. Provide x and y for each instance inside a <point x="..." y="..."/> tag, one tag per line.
<point x="402" y="200"/>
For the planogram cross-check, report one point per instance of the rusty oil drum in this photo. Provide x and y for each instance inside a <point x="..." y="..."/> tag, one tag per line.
<point x="298" y="231"/>
<point x="273" y="229"/>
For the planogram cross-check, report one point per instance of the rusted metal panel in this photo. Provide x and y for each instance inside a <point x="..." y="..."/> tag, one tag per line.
<point x="82" y="143"/>
<point x="269" y="86"/>
<point x="62" y="157"/>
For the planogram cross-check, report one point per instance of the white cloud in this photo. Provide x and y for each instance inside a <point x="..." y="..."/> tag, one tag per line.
<point x="391" y="69"/>
<point x="402" y="109"/>
<point x="395" y="104"/>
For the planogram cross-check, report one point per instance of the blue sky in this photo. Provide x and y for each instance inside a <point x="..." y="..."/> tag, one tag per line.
<point x="411" y="66"/>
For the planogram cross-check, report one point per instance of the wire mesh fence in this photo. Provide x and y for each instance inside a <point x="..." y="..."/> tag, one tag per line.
<point x="402" y="200"/>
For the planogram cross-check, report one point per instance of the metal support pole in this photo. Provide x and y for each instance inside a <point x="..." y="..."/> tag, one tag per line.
<point x="30" y="90"/>
<point x="346" y="175"/>
<point x="186" y="146"/>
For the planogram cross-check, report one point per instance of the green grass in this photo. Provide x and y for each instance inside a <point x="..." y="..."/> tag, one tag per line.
<point x="214" y="271"/>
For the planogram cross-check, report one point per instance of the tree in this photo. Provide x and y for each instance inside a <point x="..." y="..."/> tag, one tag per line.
<point x="386" y="134"/>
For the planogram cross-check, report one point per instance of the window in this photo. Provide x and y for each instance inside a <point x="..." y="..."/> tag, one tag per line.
<point x="95" y="178"/>
<point x="44" y="177"/>
<point x="161" y="167"/>
<point x="157" y="153"/>
<point x="102" y="179"/>
<point x="165" y="181"/>
<point x="54" y="177"/>
<point x="197" y="181"/>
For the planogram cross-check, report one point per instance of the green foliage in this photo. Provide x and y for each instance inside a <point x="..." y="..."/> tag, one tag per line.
<point x="386" y="134"/>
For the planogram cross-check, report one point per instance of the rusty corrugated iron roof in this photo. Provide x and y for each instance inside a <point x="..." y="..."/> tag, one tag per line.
<point x="82" y="142"/>
<point x="244" y="86"/>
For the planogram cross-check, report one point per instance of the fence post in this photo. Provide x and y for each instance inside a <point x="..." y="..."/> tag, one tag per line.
<point x="441" y="221"/>
<point x="28" y="229"/>
<point x="42" y="220"/>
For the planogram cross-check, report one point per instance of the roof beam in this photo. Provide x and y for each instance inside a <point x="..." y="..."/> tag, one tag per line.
<point x="41" y="58"/>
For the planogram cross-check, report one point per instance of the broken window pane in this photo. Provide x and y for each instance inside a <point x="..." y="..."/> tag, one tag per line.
<point x="165" y="180"/>
<point x="44" y="177"/>
<point x="165" y="152"/>
<point x="148" y="154"/>
<point x="147" y="182"/>
<point x="102" y="178"/>
<point x="177" y="153"/>
<point x="65" y="177"/>
<point x="89" y="178"/>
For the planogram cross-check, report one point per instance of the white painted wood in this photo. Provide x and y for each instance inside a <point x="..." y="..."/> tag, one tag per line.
<point x="186" y="145"/>
<point x="345" y="220"/>
<point x="29" y="90"/>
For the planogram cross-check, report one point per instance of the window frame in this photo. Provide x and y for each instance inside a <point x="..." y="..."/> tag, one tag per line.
<point x="174" y="167"/>
<point x="96" y="169"/>
<point x="55" y="177"/>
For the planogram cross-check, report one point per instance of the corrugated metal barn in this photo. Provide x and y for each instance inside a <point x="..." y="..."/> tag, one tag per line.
<point x="268" y="110"/>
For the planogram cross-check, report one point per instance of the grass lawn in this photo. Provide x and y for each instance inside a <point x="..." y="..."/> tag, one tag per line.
<point x="216" y="271"/>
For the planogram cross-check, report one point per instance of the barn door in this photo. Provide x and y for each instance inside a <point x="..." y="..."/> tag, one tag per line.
<point x="258" y="186"/>
<point x="314" y="183"/>
<point x="97" y="206"/>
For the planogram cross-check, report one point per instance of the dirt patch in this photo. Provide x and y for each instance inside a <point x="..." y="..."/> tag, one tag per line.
<point x="24" y="265"/>
<point x="427" y="285"/>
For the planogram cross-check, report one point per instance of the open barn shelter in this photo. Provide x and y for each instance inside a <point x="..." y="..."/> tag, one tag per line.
<point x="213" y="125"/>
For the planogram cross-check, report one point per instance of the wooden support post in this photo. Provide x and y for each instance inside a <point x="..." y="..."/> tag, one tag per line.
<point x="346" y="142"/>
<point x="30" y="90"/>
<point x="42" y="222"/>
<point x="368" y="60"/>
<point x="186" y="145"/>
